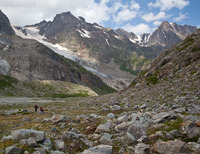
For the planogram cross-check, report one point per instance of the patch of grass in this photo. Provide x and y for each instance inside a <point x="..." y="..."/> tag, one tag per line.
<point x="174" y="124"/>
<point x="187" y="42"/>
<point x="7" y="81"/>
<point x="153" y="78"/>
<point x="70" y="95"/>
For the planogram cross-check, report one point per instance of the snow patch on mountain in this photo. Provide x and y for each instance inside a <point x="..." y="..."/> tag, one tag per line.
<point x="99" y="27"/>
<point x="84" y="33"/>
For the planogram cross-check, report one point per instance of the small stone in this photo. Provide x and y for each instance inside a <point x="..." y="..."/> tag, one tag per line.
<point x="142" y="148"/>
<point x="106" y="138"/>
<point x="111" y="115"/>
<point x="143" y="106"/>
<point x="100" y="149"/>
<point x="58" y="145"/>
<point x="104" y="109"/>
<point x="39" y="151"/>
<point x="56" y="152"/>
<point x="115" y="108"/>
<point x="198" y="141"/>
<point x="128" y="139"/>
<point x="46" y="144"/>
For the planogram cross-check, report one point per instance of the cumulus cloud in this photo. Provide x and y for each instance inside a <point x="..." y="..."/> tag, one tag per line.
<point x="169" y="4"/>
<point x="28" y="12"/>
<point x="125" y="12"/>
<point x="125" y="15"/>
<point x="151" y="17"/>
<point x="137" y="29"/>
<point x="180" y="17"/>
<point x="157" y="23"/>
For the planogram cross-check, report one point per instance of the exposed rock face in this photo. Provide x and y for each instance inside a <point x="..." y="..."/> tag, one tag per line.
<point x="5" y="28"/>
<point x="40" y="63"/>
<point x="167" y="35"/>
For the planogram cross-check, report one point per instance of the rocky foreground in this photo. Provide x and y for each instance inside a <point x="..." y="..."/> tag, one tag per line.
<point x="110" y="128"/>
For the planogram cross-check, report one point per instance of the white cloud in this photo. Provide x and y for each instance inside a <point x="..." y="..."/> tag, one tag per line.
<point x="151" y="17"/>
<point x="24" y="12"/>
<point x="125" y="15"/>
<point x="134" y="5"/>
<point x="180" y="17"/>
<point x="137" y="29"/>
<point x="169" y="4"/>
<point x="157" y="23"/>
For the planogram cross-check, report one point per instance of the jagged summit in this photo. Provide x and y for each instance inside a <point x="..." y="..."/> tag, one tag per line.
<point x="167" y="35"/>
<point x="5" y="27"/>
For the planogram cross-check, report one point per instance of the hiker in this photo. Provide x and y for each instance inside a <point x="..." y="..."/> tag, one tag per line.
<point x="42" y="110"/>
<point x="36" y="107"/>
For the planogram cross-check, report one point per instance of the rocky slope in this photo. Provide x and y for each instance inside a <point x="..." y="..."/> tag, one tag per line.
<point x="27" y="59"/>
<point x="158" y="113"/>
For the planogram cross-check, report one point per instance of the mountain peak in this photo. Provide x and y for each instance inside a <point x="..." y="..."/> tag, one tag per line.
<point x="165" y="25"/>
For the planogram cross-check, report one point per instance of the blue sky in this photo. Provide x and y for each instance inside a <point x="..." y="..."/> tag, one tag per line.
<point x="138" y="16"/>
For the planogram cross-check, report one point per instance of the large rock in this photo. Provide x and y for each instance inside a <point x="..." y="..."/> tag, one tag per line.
<point x="103" y="128"/>
<point x="30" y="142"/>
<point x="13" y="150"/>
<point x="128" y="139"/>
<point x="26" y="133"/>
<point x="123" y="127"/>
<point x="163" y="116"/>
<point x="142" y="148"/>
<point x="100" y="149"/>
<point x="136" y="130"/>
<point x="189" y="130"/>
<point x="171" y="147"/>
<point x="106" y="138"/>
<point x="58" y="118"/>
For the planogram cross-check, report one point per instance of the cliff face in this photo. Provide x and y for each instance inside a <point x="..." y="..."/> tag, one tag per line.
<point x="5" y="28"/>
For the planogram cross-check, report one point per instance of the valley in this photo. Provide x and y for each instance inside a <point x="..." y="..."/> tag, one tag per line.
<point x="73" y="69"/>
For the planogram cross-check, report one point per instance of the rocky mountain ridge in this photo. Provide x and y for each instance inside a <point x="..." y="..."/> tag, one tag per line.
<point x="94" y="41"/>
<point x="104" y="46"/>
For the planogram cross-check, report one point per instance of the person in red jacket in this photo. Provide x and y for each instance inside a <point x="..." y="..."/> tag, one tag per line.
<point x="36" y="107"/>
<point x="42" y="110"/>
